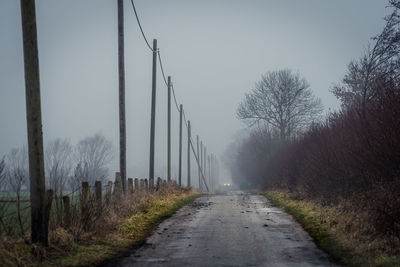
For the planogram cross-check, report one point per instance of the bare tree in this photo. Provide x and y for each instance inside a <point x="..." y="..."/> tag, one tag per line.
<point x="3" y="188"/>
<point x="379" y="66"/>
<point x="18" y="176"/>
<point x="93" y="155"/>
<point x="58" y="162"/>
<point x="2" y="174"/>
<point x="283" y="100"/>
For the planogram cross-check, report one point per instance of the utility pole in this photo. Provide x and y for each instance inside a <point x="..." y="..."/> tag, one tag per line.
<point x="212" y="171"/>
<point x="39" y="225"/>
<point x="153" y="114"/>
<point x="169" y="130"/>
<point x="201" y="160"/>
<point x="188" y="155"/>
<point x="180" y="145"/>
<point x="121" y="80"/>
<point x="205" y="163"/>
<point x="198" y="156"/>
<point x="209" y="171"/>
<point x="215" y="171"/>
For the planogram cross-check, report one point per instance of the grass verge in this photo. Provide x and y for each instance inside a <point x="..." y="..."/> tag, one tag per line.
<point x="331" y="232"/>
<point x="96" y="250"/>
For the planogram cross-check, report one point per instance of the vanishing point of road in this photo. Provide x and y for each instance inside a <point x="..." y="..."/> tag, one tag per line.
<point x="234" y="229"/>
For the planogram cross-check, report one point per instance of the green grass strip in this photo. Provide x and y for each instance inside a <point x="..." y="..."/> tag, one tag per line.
<point x="133" y="232"/>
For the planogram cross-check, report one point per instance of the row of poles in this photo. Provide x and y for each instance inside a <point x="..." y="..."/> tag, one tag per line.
<point x="39" y="225"/>
<point x="203" y="183"/>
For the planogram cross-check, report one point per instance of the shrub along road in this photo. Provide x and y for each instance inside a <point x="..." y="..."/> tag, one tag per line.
<point x="235" y="229"/>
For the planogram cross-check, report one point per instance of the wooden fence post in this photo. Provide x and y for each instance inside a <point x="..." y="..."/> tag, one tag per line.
<point x="130" y="186"/>
<point x="159" y="183"/>
<point x="146" y="185"/>
<point x="136" y="184"/>
<point x="108" y="192"/>
<point x="98" y="192"/>
<point x="141" y="188"/>
<point x="85" y="203"/>
<point x="67" y="211"/>
<point x="118" y="185"/>
<point x="47" y="209"/>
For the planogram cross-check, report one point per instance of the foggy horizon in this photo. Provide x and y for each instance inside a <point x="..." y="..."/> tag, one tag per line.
<point x="214" y="51"/>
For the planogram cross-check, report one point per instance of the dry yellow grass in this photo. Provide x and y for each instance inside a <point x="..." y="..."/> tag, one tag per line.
<point x="342" y="233"/>
<point x="120" y="229"/>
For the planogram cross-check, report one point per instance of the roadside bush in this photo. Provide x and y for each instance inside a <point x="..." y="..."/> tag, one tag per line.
<point x="351" y="160"/>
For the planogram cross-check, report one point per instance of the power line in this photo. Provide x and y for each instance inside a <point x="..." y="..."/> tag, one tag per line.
<point x="165" y="80"/>
<point x="172" y="86"/>
<point x="140" y="26"/>
<point x="173" y="94"/>
<point x="161" y="66"/>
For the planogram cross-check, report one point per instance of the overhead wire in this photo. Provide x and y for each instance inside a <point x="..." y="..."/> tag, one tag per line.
<point x="173" y="94"/>
<point x="161" y="66"/>
<point x="140" y="26"/>
<point x="166" y="83"/>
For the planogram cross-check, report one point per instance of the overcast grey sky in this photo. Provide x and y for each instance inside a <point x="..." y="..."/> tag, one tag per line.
<point x="214" y="50"/>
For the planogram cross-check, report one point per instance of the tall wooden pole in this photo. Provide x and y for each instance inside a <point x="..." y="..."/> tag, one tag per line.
<point x="121" y="80"/>
<point x="201" y="160"/>
<point x="209" y="171"/>
<point x="188" y="155"/>
<point x="169" y="129"/>
<point x="180" y="145"/>
<point x="198" y="157"/>
<point x="34" y="123"/>
<point x="205" y="163"/>
<point x="153" y="111"/>
<point x="218" y="172"/>
<point x="212" y="171"/>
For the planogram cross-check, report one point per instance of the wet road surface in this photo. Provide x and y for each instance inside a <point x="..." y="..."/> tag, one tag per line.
<point x="236" y="229"/>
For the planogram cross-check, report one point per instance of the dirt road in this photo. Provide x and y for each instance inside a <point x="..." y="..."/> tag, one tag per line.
<point x="236" y="229"/>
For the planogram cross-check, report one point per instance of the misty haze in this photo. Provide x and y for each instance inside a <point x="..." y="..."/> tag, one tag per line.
<point x="202" y="133"/>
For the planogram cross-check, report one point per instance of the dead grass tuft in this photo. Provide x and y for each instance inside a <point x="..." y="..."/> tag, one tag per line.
<point x="342" y="231"/>
<point x="104" y="233"/>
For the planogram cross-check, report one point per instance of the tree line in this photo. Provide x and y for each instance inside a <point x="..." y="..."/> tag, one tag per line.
<point x="67" y="166"/>
<point x="350" y="158"/>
